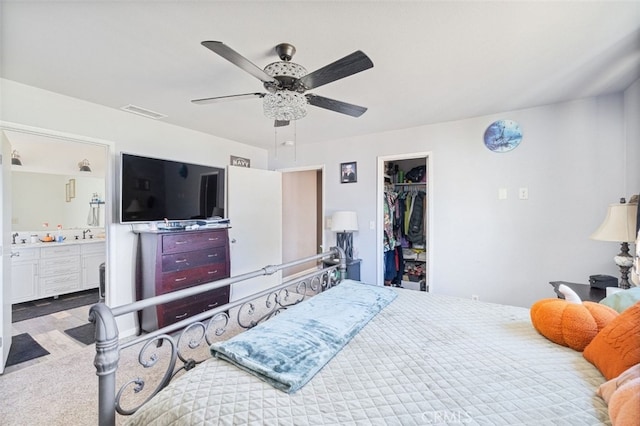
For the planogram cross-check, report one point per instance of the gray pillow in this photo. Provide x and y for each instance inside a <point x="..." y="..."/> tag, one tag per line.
<point x="621" y="300"/>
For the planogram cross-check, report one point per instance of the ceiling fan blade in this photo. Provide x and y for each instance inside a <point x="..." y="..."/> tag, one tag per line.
<point x="204" y="101"/>
<point x="337" y="106"/>
<point x="240" y="61"/>
<point x="280" y="123"/>
<point x="349" y="65"/>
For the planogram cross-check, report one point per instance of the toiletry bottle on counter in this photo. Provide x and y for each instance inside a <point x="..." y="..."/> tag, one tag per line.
<point x="33" y="238"/>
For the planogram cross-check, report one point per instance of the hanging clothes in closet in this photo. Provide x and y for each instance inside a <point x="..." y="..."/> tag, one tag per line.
<point x="390" y="240"/>
<point x="411" y="217"/>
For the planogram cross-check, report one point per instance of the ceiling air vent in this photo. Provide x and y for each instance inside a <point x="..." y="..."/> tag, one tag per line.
<point x="143" y="112"/>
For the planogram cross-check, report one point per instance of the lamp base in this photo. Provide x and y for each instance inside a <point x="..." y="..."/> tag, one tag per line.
<point x="624" y="261"/>
<point x="344" y="240"/>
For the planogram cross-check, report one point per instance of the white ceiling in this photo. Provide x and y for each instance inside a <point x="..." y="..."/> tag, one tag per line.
<point x="433" y="61"/>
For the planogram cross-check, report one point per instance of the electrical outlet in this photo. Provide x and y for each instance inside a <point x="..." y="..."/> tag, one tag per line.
<point x="475" y="297"/>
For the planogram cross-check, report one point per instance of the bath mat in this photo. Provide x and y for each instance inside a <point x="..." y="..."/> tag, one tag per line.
<point x="84" y="334"/>
<point x="24" y="348"/>
<point x="38" y="308"/>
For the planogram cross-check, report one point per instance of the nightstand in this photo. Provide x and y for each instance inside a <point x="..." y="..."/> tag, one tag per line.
<point x="585" y="291"/>
<point x="353" y="268"/>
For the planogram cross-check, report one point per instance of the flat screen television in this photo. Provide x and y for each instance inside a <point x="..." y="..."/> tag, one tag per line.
<point x="153" y="189"/>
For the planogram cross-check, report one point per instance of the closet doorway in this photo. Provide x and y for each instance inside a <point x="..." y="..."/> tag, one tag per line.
<point x="404" y="249"/>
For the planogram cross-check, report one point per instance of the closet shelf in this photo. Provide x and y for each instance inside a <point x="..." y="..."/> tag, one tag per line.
<point x="410" y="184"/>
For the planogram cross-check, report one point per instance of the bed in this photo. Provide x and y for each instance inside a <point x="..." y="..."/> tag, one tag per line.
<point x="422" y="359"/>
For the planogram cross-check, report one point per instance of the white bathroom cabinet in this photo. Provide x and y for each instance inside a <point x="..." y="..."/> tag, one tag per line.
<point x="52" y="269"/>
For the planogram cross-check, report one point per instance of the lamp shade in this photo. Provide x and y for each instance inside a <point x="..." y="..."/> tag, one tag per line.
<point x="619" y="225"/>
<point x="344" y="221"/>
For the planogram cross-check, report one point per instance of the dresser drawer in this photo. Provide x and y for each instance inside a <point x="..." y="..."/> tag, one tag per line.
<point x="19" y="254"/>
<point x="192" y="259"/>
<point x="59" y="265"/>
<point x="176" y="260"/>
<point x="193" y="241"/>
<point x="181" y="279"/>
<point x="52" y="286"/>
<point x="59" y="250"/>
<point x="93" y="248"/>
<point x="185" y="308"/>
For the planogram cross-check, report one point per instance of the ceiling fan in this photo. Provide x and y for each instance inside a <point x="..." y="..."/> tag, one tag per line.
<point x="286" y="83"/>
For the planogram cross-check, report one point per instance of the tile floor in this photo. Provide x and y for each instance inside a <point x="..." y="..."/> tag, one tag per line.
<point x="48" y="331"/>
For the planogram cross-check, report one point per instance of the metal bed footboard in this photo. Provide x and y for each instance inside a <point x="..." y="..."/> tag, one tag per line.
<point x="195" y="331"/>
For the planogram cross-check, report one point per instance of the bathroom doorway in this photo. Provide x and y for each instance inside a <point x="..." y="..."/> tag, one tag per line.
<point x="79" y="207"/>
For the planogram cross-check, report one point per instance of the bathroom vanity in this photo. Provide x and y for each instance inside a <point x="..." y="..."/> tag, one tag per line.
<point x="50" y="269"/>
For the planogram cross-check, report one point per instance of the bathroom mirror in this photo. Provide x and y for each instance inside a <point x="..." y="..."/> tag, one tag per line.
<point x="42" y="197"/>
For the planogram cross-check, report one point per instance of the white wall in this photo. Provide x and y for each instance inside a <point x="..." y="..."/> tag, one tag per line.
<point x="30" y="106"/>
<point x="571" y="160"/>
<point x="632" y="130"/>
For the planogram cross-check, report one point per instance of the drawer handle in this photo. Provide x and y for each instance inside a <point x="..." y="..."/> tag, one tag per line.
<point x="213" y="239"/>
<point x="182" y="316"/>
<point x="181" y="242"/>
<point x="180" y="279"/>
<point x="181" y="260"/>
<point x="212" y="305"/>
<point x="212" y="272"/>
<point x="213" y="255"/>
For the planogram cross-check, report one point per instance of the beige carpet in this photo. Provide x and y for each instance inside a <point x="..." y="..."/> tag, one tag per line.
<point x="58" y="392"/>
<point x="64" y="391"/>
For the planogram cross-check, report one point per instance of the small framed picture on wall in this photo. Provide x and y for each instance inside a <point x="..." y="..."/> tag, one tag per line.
<point x="348" y="172"/>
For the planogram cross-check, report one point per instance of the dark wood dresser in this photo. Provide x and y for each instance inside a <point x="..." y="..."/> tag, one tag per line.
<point x="173" y="260"/>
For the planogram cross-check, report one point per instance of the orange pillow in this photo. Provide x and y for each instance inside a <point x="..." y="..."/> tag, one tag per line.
<point x="617" y="346"/>
<point x="572" y="324"/>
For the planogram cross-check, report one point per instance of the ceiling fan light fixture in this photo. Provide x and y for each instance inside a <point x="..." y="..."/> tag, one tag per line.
<point x="285" y="69"/>
<point x="285" y="105"/>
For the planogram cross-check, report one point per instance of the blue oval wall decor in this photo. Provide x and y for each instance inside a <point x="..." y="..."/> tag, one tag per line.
<point x="503" y="136"/>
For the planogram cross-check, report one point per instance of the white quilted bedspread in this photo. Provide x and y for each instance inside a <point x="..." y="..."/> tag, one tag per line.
<point x="424" y="360"/>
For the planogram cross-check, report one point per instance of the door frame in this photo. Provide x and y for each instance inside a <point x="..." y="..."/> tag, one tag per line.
<point x="380" y="212"/>
<point x="6" y="254"/>
<point x="108" y="180"/>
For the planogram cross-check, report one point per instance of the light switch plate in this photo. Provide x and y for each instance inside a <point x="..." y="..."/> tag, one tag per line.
<point x="523" y="193"/>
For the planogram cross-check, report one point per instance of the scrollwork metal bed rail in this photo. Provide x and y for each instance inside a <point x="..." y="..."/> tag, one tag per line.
<point x="196" y="329"/>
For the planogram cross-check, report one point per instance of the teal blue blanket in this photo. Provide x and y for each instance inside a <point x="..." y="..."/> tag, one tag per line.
<point x="289" y="349"/>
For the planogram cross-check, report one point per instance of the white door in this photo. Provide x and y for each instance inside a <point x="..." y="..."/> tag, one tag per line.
<point x="254" y="207"/>
<point x="5" y="249"/>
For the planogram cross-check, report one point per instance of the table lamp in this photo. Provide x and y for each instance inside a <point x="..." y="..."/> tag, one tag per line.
<point x="620" y="226"/>
<point x="344" y="223"/>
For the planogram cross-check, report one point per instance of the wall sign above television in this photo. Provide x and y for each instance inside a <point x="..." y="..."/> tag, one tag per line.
<point x="153" y="189"/>
<point x="240" y="162"/>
